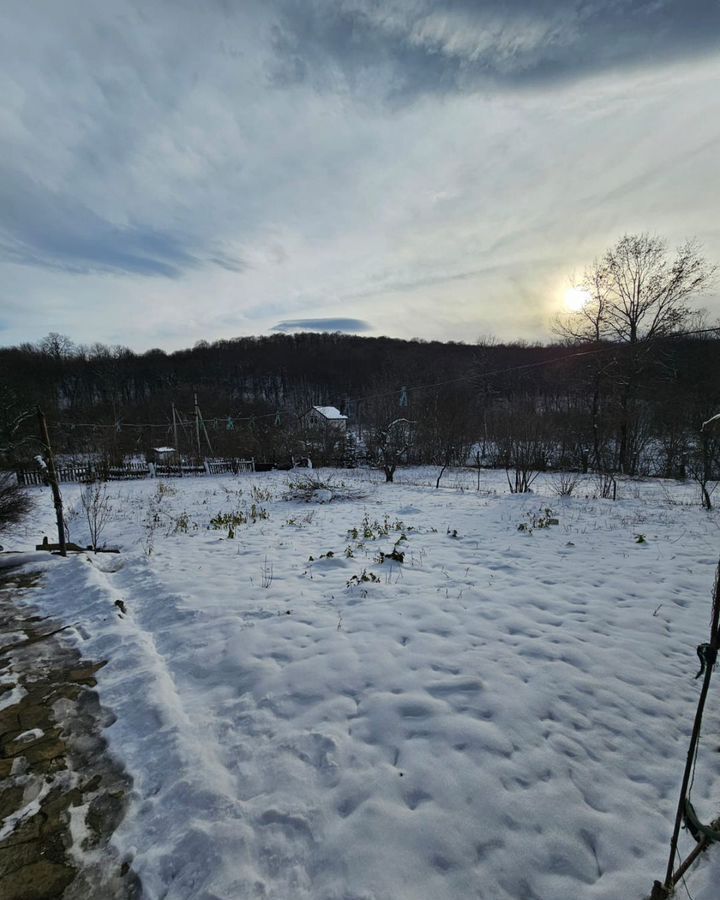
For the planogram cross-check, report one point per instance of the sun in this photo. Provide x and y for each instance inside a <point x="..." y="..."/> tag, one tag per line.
<point x="576" y="298"/>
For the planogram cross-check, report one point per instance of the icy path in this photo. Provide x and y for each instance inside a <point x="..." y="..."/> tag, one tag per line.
<point x="503" y="716"/>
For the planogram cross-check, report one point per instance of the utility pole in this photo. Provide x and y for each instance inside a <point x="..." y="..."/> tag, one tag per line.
<point x="175" y="433"/>
<point x="197" y="427"/>
<point x="178" y="457"/>
<point x="207" y="436"/>
<point x="200" y="423"/>
<point x="53" y="481"/>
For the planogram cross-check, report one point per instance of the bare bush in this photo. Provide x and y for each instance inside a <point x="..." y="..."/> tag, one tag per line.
<point x="96" y="506"/>
<point x="606" y="485"/>
<point x="266" y="574"/>
<point x="15" y="502"/>
<point x="523" y="452"/>
<point x="565" y="483"/>
<point x="314" y="489"/>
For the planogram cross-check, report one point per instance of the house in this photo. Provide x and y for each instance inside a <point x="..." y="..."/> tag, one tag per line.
<point x="324" y="417"/>
<point x="161" y="454"/>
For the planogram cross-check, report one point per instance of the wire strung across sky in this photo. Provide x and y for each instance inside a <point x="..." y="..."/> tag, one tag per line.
<point x="231" y="420"/>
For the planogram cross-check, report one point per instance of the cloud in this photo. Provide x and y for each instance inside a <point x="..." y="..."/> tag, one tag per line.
<point x="404" y="49"/>
<point x="48" y="229"/>
<point x="353" y="326"/>
<point x="175" y="171"/>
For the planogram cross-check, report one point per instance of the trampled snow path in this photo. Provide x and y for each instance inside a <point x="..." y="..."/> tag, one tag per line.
<point x="504" y="715"/>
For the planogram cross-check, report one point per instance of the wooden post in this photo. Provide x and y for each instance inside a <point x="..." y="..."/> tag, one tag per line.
<point x="53" y="480"/>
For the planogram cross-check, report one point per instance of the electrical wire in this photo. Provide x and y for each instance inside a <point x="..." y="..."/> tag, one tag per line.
<point x="405" y="390"/>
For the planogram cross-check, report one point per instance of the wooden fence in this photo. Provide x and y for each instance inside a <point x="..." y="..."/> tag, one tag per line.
<point x="87" y="472"/>
<point x="221" y="466"/>
<point x="175" y="470"/>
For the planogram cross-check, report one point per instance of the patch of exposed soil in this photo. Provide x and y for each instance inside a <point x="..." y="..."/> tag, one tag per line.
<point x="61" y="793"/>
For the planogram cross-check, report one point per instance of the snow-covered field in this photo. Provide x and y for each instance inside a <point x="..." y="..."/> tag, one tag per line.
<point x="504" y="714"/>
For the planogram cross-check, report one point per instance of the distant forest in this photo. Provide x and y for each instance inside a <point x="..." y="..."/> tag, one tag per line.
<point x="582" y="405"/>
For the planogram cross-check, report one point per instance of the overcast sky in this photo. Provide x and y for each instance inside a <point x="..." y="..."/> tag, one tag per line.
<point x="177" y="171"/>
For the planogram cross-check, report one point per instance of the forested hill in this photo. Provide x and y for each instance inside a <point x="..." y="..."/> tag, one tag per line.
<point x="243" y="375"/>
<point x="580" y="391"/>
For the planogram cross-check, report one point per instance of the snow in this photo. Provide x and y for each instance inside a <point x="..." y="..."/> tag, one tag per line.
<point x="34" y="793"/>
<point x="12" y="697"/>
<point x="10" y="560"/>
<point x="34" y="734"/>
<point x="503" y="715"/>
<point x="330" y="412"/>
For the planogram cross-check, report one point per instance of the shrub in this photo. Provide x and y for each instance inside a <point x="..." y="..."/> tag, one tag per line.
<point x="313" y="488"/>
<point x="15" y="502"/>
<point x="565" y="483"/>
<point x="96" y="505"/>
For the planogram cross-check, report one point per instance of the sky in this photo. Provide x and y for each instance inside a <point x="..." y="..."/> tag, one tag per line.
<point x="180" y="171"/>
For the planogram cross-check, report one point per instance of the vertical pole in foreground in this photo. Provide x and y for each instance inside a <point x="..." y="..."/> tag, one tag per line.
<point x="713" y="648"/>
<point x="53" y="480"/>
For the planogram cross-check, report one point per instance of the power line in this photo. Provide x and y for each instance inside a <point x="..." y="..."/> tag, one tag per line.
<point x="406" y="389"/>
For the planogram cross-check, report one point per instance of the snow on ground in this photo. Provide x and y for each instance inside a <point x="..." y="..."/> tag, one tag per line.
<point x="505" y="714"/>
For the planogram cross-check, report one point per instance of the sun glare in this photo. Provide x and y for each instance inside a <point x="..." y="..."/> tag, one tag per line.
<point x="576" y="298"/>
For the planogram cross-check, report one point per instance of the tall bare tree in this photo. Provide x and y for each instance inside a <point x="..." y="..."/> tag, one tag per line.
<point x="637" y="294"/>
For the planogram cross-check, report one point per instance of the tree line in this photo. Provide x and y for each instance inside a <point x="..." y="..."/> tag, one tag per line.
<point x="624" y="388"/>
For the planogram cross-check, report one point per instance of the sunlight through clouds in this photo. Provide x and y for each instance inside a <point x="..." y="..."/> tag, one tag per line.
<point x="432" y="171"/>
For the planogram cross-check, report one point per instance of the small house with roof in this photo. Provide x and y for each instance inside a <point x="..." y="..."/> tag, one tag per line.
<point x="324" y="417"/>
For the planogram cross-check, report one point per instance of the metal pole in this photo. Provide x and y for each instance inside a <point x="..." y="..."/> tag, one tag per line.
<point x="53" y="480"/>
<point x="695" y="732"/>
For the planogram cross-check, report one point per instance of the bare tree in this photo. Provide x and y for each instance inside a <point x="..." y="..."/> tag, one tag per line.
<point x="637" y="294"/>
<point x="96" y="505"/>
<point x="59" y="346"/>
<point x="390" y="443"/>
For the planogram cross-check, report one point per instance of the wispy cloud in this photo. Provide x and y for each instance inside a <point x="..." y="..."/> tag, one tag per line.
<point x="51" y="229"/>
<point x="178" y="171"/>
<point x="403" y="49"/>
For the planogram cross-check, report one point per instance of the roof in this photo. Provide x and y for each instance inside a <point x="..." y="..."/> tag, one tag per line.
<point x="164" y="449"/>
<point x="330" y="412"/>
